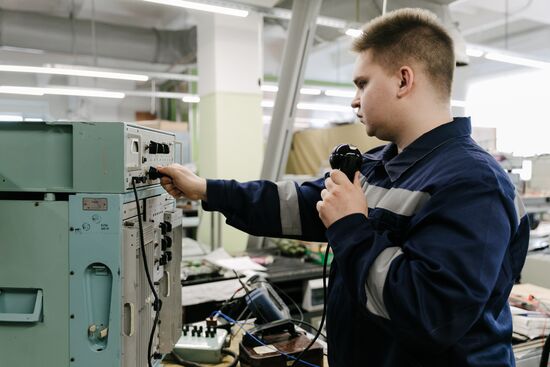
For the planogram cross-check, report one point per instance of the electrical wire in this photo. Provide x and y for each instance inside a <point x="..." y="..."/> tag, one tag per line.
<point x="302" y="322"/>
<point x="278" y="289"/>
<point x="218" y="313"/>
<point x="545" y="352"/>
<point x="157" y="305"/>
<point x="297" y="360"/>
<point x="183" y="362"/>
<point x="229" y="352"/>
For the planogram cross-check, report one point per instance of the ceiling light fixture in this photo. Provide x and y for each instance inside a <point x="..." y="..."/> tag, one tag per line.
<point x="310" y="91"/>
<point x="191" y="99"/>
<point x="269" y="88"/>
<point x="35" y="91"/>
<point x="517" y="60"/>
<point x="203" y="7"/>
<point x="10" y="118"/>
<point x="354" y="32"/>
<point x="340" y="93"/>
<point x="457" y="103"/>
<point x="72" y="72"/>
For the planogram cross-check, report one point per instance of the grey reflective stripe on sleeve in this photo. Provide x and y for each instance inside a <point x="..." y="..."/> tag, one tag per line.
<point x="402" y="201"/>
<point x="520" y="208"/>
<point x="399" y="201"/>
<point x="290" y="210"/>
<point x="376" y="280"/>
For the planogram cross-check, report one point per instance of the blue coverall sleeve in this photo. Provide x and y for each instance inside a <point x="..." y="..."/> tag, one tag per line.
<point x="430" y="286"/>
<point x="271" y="209"/>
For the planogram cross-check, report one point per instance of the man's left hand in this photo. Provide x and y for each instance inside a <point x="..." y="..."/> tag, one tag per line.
<point x="341" y="198"/>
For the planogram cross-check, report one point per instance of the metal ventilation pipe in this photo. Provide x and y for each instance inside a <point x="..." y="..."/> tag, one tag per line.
<point x="55" y="34"/>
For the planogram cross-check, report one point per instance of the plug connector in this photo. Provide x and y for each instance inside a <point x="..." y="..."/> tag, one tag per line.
<point x="154" y="174"/>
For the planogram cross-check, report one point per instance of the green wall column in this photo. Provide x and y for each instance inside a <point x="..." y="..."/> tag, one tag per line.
<point x="230" y="115"/>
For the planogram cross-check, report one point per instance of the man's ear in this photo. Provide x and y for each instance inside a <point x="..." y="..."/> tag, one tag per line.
<point x="406" y="80"/>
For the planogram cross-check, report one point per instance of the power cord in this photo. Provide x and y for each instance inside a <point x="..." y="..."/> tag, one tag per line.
<point x="229" y="319"/>
<point x="157" y="304"/>
<point x="302" y="322"/>
<point x="545" y="352"/>
<point x="321" y="324"/>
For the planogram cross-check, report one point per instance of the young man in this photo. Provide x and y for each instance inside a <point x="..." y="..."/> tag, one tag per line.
<point x="428" y="239"/>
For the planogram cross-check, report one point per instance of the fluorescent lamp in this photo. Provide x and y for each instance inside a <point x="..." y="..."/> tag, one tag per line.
<point x="457" y="103"/>
<point x="33" y="119"/>
<point x="474" y="52"/>
<point x="312" y="106"/>
<point x="517" y="60"/>
<point x="7" y="118"/>
<point x="135" y="75"/>
<point x="269" y="88"/>
<point x="34" y="91"/>
<point x="267" y="104"/>
<point x="274" y="89"/>
<point x="6" y="89"/>
<point x="323" y="107"/>
<point x="26" y="50"/>
<point x="340" y="93"/>
<point x="191" y="99"/>
<point x="310" y="91"/>
<point x="83" y="92"/>
<point x="354" y="32"/>
<point x="72" y="72"/>
<point x="203" y="7"/>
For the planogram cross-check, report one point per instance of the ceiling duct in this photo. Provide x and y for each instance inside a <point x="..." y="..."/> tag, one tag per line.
<point x="29" y="30"/>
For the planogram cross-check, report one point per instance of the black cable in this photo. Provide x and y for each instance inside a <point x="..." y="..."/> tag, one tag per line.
<point x="297" y="360"/>
<point x="229" y="352"/>
<point x="545" y="352"/>
<point x="183" y="362"/>
<point x="302" y="322"/>
<point x="157" y="305"/>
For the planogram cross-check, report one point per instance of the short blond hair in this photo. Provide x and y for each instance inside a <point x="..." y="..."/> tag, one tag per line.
<point x="408" y="35"/>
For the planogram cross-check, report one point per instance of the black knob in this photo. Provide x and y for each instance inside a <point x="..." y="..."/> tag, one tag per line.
<point x="154" y="147"/>
<point x="169" y="255"/>
<point x="163" y="260"/>
<point x="163" y="227"/>
<point x="168" y="241"/>
<point x="166" y="148"/>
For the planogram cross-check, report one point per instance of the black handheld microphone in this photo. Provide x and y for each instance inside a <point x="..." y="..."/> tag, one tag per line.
<point x="347" y="158"/>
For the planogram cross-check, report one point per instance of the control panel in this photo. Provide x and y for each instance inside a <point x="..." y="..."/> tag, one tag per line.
<point x="145" y="149"/>
<point x="100" y="157"/>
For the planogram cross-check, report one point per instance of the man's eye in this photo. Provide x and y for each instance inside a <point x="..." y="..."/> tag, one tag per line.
<point x="361" y="84"/>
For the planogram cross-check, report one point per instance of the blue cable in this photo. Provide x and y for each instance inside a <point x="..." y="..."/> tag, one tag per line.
<point x="227" y="318"/>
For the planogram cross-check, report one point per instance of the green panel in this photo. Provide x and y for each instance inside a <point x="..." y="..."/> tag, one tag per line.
<point x="95" y="289"/>
<point x="99" y="157"/>
<point x="50" y="150"/>
<point x="36" y="259"/>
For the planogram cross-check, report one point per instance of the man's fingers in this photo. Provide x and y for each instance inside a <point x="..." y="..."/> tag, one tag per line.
<point x="319" y="205"/>
<point x="338" y="177"/>
<point x="357" y="179"/>
<point x="324" y="194"/>
<point x="329" y="184"/>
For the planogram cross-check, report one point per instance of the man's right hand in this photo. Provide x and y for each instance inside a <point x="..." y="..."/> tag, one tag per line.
<point x="180" y="181"/>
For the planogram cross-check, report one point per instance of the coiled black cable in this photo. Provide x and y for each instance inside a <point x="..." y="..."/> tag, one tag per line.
<point x="157" y="304"/>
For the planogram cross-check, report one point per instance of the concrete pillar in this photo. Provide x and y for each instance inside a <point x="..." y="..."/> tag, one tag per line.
<point x="230" y="116"/>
